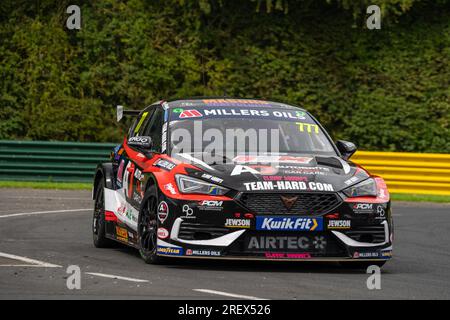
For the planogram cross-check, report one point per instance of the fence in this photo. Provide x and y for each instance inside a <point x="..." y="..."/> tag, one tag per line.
<point x="51" y="161"/>
<point x="420" y="173"/>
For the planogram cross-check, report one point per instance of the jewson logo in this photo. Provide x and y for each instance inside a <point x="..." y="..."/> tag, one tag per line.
<point x="289" y="223"/>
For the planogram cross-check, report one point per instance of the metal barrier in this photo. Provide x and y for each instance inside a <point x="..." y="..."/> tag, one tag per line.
<point x="51" y="161"/>
<point x="421" y="173"/>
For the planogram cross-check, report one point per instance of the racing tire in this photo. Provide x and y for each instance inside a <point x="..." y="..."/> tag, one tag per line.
<point x="98" y="219"/>
<point x="148" y="227"/>
<point x="361" y="265"/>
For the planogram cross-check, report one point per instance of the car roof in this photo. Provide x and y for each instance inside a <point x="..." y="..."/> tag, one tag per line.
<point x="228" y="102"/>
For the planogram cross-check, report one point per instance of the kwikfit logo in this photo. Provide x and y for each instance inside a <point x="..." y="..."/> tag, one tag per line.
<point x="289" y="223"/>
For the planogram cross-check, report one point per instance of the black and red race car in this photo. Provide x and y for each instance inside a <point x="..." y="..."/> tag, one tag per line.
<point x="239" y="179"/>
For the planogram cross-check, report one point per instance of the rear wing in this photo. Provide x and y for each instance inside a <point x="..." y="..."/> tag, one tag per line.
<point x="121" y="113"/>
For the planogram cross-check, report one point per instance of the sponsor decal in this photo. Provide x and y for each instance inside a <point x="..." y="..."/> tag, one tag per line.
<point x="138" y="174"/>
<point x="239" y="169"/>
<point x="386" y="254"/>
<point x="211" y="178"/>
<point x="211" y="205"/>
<point x="122" y="210"/>
<point x="197" y="252"/>
<point x="126" y="212"/>
<point x="169" y="187"/>
<point x="285" y="178"/>
<point x="381" y="212"/>
<point x="339" y="224"/>
<point x="319" y="243"/>
<point x="366" y="255"/>
<point x="164" y="164"/>
<point x="277" y="223"/>
<point x="190" y="114"/>
<point x="276" y="255"/>
<point x="163" y="211"/>
<point x="139" y="140"/>
<point x="303" y="170"/>
<point x="237" y="223"/>
<point x="234" y="102"/>
<point x="169" y="251"/>
<point x="298" y="115"/>
<point x="363" y="208"/>
<point x="287" y="185"/>
<point x="121" y="234"/>
<point x="254" y="113"/>
<point x="270" y="159"/>
<point x="163" y="233"/>
<point x="188" y="212"/>
<point x="286" y="242"/>
<point x="308" y="127"/>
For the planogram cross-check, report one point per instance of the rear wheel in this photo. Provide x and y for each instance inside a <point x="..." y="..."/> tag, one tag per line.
<point x="148" y="227"/>
<point x="98" y="219"/>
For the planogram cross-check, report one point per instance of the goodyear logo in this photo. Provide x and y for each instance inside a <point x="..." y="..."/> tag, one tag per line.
<point x="289" y="223"/>
<point x="170" y="251"/>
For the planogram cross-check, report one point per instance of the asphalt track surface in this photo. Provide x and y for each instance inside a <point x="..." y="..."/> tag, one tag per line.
<point x="60" y="238"/>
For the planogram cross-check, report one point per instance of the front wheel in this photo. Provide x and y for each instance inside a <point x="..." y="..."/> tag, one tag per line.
<point x="148" y="227"/>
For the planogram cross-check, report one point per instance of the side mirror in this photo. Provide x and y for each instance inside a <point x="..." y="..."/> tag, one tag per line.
<point x="142" y="142"/>
<point x="346" y="148"/>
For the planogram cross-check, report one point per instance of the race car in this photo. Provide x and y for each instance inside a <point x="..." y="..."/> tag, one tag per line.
<point x="249" y="179"/>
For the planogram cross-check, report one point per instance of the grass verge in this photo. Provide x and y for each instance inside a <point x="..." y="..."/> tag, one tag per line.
<point x="46" y="185"/>
<point x="420" y="198"/>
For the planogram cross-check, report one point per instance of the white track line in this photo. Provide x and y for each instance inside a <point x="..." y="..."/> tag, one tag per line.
<point x="32" y="262"/>
<point x="40" y="212"/>
<point x="111" y="276"/>
<point x="226" y="294"/>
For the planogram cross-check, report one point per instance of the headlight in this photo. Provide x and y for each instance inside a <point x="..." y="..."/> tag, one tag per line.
<point x="366" y="188"/>
<point x="191" y="185"/>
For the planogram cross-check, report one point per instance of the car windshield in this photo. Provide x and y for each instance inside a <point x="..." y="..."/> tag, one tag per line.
<point x="242" y="131"/>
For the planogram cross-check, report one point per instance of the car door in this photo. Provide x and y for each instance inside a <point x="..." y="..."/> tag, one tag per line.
<point x="129" y="171"/>
<point x="134" y="180"/>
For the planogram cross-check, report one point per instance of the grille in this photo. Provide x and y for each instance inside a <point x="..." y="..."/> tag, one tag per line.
<point x="370" y="234"/>
<point x="200" y="231"/>
<point x="306" y="204"/>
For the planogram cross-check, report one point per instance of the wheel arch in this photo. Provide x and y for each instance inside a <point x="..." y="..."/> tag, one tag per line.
<point x="104" y="171"/>
<point x="151" y="182"/>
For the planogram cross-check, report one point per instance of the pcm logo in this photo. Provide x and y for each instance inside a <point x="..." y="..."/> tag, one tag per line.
<point x="363" y="206"/>
<point x="211" y="203"/>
